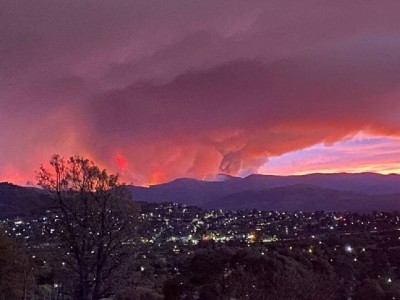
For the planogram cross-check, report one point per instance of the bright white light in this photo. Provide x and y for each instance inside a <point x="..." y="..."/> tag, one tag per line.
<point x="349" y="249"/>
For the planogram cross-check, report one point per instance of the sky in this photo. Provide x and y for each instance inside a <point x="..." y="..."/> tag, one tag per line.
<point x="156" y="90"/>
<point x="357" y="154"/>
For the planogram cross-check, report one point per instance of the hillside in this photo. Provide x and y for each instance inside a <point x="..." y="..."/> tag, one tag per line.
<point x="202" y="193"/>
<point x="352" y="192"/>
<point x="21" y="201"/>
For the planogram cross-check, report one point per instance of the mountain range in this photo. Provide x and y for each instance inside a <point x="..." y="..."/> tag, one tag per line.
<point x="340" y="191"/>
<point x="329" y="192"/>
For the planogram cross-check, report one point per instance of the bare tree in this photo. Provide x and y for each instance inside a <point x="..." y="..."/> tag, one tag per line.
<point x="95" y="226"/>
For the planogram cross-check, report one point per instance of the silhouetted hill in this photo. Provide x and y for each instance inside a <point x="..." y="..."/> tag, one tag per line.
<point x="354" y="192"/>
<point x="188" y="191"/>
<point x="21" y="201"/>
<point x="369" y="183"/>
<point x="201" y="193"/>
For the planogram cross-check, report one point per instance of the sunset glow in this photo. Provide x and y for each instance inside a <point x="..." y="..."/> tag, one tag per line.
<point x="359" y="154"/>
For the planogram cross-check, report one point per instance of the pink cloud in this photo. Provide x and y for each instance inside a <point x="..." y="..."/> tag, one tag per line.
<point x="182" y="88"/>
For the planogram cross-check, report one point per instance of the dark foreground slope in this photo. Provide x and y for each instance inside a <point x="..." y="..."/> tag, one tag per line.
<point x="306" y="198"/>
<point x="22" y="201"/>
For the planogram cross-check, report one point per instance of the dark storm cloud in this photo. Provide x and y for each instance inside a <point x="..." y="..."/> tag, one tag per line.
<point x="189" y="88"/>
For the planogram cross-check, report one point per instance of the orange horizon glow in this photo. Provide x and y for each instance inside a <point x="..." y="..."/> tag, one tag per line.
<point x="160" y="178"/>
<point x="121" y="161"/>
<point x="358" y="154"/>
<point x="11" y="175"/>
